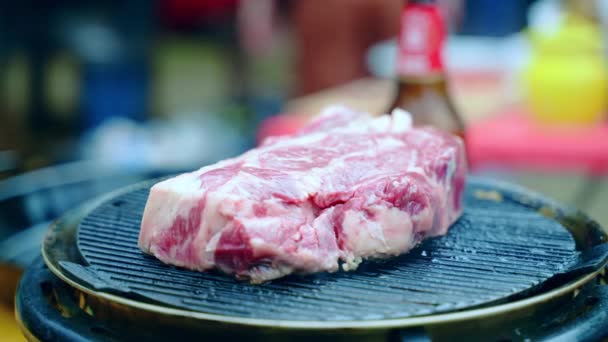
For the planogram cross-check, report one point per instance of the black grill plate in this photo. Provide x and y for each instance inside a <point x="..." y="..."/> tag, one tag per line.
<point x="500" y="248"/>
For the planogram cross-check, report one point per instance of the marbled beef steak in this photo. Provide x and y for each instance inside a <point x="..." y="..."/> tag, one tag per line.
<point x="345" y="188"/>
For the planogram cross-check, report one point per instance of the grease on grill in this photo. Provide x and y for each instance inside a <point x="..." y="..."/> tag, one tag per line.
<point x="491" y="195"/>
<point x="498" y="249"/>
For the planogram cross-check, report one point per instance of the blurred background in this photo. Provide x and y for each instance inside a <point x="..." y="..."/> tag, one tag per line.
<point x="97" y="95"/>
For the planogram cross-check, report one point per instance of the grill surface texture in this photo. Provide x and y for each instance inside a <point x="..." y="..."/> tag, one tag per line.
<point x="501" y="248"/>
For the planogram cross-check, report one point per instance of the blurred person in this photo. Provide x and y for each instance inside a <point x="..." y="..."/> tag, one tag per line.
<point x="331" y="37"/>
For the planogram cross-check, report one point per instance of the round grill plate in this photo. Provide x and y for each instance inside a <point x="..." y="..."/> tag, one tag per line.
<point x="501" y="248"/>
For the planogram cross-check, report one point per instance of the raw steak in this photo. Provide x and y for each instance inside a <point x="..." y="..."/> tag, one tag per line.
<point x="345" y="188"/>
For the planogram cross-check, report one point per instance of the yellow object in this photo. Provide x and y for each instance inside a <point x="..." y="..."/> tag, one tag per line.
<point x="567" y="79"/>
<point x="9" y="278"/>
<point x="9" y="330"/>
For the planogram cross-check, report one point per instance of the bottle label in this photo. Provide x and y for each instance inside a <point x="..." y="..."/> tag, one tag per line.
<point x="420" y="40"/>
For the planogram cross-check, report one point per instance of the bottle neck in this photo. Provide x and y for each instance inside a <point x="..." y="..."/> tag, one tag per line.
<point x="422" y="79"/>
<point x="421" y="41"/>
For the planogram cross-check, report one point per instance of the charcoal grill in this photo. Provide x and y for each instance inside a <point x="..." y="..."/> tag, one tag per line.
<point x="512" y="253"/>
